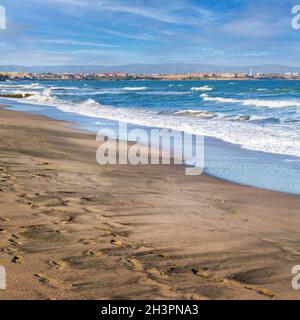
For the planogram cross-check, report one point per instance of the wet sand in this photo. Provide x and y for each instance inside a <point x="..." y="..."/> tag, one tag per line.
<point x="72" y="229"/>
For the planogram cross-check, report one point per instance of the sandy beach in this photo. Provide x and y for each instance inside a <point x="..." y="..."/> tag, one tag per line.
<point x="72" y="229"/>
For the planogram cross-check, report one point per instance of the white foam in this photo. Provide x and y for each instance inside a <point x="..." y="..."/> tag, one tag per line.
<point x="272" y="103"/>
<point x="21" y="86"/>
<point x="203" y="88"/>
<point x="220" y="99"/>
<point x="134" y="88"/>
<point x="64" y="88"/>
<point x="273" y="139"/>
<point x="164" y="93"/>
<point x="254" y="102"/>
<point x="196" y="113"/>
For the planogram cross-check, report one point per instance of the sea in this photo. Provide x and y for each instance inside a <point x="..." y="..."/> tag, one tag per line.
<point x="251" y="127"/>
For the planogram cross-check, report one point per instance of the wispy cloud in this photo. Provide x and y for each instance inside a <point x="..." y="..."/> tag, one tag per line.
<point x="79" y="43"/>
<point x="82" y="3"/>
<point x="136" y="36"/>
<point x="255" y="27"/>
<point x="148" y="31"/>
<point x="173" y="12"/>
<point x="147" y="12"/>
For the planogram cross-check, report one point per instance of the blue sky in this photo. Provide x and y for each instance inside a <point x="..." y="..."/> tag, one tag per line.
<point x="113" y="32"/>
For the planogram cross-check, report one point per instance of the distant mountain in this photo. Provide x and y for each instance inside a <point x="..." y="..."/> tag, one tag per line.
<point x="151" y="68"/>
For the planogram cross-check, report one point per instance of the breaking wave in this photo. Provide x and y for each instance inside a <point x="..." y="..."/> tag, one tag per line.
<point x="254" y="102"/>
<point x="203" y="88"/>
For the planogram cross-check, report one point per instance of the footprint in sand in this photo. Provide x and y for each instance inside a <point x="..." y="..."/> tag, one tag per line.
<point x="17" y="259"/>
<point x="135" y="263"/>
<point x="42" y="278"/>
<point x="43" y="163"/>
<point x="15" y="242"/>
<point x="164" y="255"/>
<point x="156" y="273"/>
<point x="224" y="206"/>
<point x="108" y="231"/>
<point x="197" y="297"/>
<point x="61" y="231"/>
<point x="9" y="251"/>
<point x="234" y="283"/>
<point x="265" y="292"/>
<point x="201" y="272"/>
<point x="164" y="289"/>
<point x="87" y="241"/>
<point x="167" y="271"/>
<point x="71" y="219"/>
<point x="57" y="264"/>
<point x="93" y="253"/>
<point x="116" y="242"/>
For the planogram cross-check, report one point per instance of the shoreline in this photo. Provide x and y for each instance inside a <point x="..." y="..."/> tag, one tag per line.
<point x="224" y="149"/>
<point x="156" y="79"/>
<point x="72" y="229"/>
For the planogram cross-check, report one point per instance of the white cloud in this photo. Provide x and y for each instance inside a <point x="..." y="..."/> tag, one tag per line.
<point x="175" y="12"/>
<point x="2" y="18"/>
<point x="36" y="58"/>
<point x="256" y="26"/>
<point x="82" y="3"/>
<point x="144" y="37"/>
<point x="79" y="43"/>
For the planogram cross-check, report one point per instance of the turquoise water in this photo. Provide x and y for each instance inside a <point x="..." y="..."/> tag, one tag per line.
<point x="251" y="127"/>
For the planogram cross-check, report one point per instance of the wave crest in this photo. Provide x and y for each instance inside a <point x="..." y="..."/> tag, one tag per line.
<point x="203" y="88"/>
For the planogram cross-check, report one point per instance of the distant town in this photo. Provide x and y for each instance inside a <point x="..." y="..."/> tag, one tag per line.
<point x="132" y="76"/>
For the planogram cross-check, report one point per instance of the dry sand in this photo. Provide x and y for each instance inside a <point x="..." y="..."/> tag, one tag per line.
<point x="72" y="229"/>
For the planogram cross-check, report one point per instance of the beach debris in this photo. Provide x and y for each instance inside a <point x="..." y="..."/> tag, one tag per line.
<point x="201" y="272"/>
<point x="2" y="231"/>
